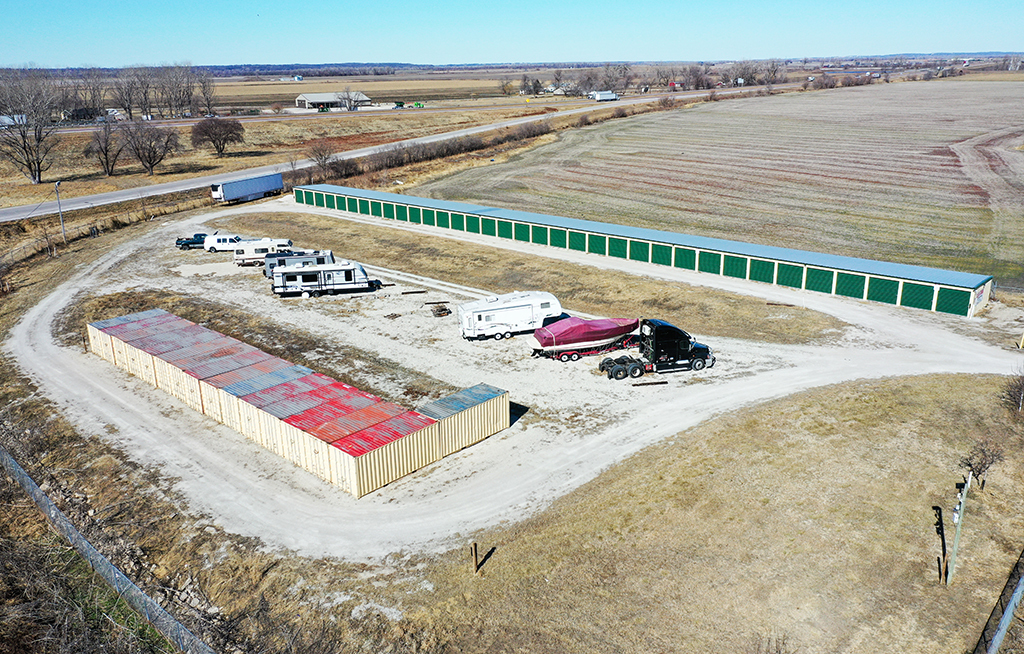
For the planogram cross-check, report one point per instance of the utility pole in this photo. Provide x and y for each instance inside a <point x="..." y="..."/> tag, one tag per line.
<point x="56" y="187"/>
<point x="958" y="520"/>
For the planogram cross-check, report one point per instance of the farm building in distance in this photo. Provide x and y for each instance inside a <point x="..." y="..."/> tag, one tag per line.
<point x="345" y="436"/>
<point x="337" y="100"/>
<point x="932" y="289"/>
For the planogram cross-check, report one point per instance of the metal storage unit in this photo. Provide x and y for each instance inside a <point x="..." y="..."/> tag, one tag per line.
<point x="930" y="288"/>
<point x="335" y="431"/>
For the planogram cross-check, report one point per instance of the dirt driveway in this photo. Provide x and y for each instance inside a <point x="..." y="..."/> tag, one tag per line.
<point x="577" y="423"/>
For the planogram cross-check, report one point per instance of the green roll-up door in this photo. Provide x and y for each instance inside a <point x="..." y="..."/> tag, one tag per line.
<point x="329" y="199"/>
<point x="428" y="217"/>
<point x="458" y="222"/>
<point x="473" y="224"/>
<point x="522" y="232"/>
<point x="686" y="258"/>
<point x="389" y="210"/>
<point x="735" y="266"/>
<point x="578" y="241"/>
<point x="556" y="238"/>
<point x="364" y="207"/>
<point x="539" y="234"/>
<point x="661" y="254"/>
<point x="488" y="226"/>
<point x="375" y="209"/>
<point x="442" y="219"/>
<point x="790" y="275"/>
<point x="709" y="262"/>
<point x="504" y="229"/>
<point x="819" y="280"/>
<point x="850" y="285"/>
<point x="308" y="196"/>
<point x="618" y="247"/>
<point x="414" y="215"/>
<point x="762" y="271"/>
<point x="595" y="244"/>
<point x="298" y="197"/>
<point x="639" y="251"/>
<point x="401" y="212"/>
<point x="319" y="198"/>
<point x="883" y="290"/>
<point x="919" y="296"/>
<point x="953" y="300"/>
<point x="353" y="205"/>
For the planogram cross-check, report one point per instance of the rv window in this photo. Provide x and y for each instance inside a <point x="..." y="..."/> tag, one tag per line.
<point x="259" y="250"/>
<point x="479" y="317"/>
<point x="239" y="251"/>
<point x="289" y="278"/>
<point x="320" y="260"/>
<point x="545" y="305"/>
<point x="309" y="278"/>
<point x="348" y="275"/>
<point x="488" y="318"/>
<point x="328" y="277"/>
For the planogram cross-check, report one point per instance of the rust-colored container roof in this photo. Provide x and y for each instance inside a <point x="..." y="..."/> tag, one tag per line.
<point x="382" y="433"/>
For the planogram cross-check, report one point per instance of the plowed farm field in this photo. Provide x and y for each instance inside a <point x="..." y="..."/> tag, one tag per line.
<point x="928" y="173"/>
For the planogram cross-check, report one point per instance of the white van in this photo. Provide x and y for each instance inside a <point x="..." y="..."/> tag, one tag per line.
<point x="221" y="242"/>
<point x="501" y="316"/>
<point x="253" y="253"/>
<point x="328" y="279"/>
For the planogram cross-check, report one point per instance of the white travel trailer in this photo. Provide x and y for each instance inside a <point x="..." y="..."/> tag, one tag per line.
<point x="253" y="253"/>
<point x="501" y="316"/>
<point x="328" y="279"/>
<point x="296" y="257"/>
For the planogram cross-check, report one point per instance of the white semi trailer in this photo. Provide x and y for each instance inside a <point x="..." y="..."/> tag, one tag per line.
<point x="250" y="188"/>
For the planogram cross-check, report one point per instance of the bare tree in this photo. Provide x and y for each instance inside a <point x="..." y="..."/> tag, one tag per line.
<point x="524" y="84"/>
<point x="556" y="78"/>
<point x="347" y="99"/>
<point x="145" y="83"/>
<point x="30" y="102"/>
<point x="774" y="72"/>
<point x="106" y="147"/>
<point x="1013" y="394"/>
<point x="149" y="144"/>
<point x="984" y="454"/>
<point x="320" y="153"/>
<point x="94" y="85"/>
<point x="218" y="133"/>
<point x="505" y="86"/>
<point x="125" y="91"/>
<point x="207" y="90"/>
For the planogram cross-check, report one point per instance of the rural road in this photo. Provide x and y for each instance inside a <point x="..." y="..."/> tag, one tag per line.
<point x="9" y="214"/>
<point x="505" y="478"/>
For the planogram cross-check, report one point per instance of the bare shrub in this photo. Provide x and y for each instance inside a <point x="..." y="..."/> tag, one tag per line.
<point x="712" y="96"/>
<point x="277" y="107"/>
<point x="620" y="112"/>
<point x="666" y="102"/>
<point x="984" y="454"/>
<point x="1013" y="394"/>
<point x="583" y="120"/>
<point x="320" y="153"/>
<point x="771" y="643"/>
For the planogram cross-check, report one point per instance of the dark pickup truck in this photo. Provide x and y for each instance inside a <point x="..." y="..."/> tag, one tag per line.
<point x="663" y="348"/>
<point x="189" y="242"/>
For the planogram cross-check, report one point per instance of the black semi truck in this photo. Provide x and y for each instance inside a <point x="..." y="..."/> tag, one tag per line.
<point x="663" y="348"/>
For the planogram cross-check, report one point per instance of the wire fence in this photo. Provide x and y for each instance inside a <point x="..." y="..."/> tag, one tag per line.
<point x="142" y="603"/>
<point x="1002" y="614"/>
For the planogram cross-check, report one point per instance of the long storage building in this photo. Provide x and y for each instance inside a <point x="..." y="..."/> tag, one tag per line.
<point x="920" y="287"/>
<point x="341" y="434"/>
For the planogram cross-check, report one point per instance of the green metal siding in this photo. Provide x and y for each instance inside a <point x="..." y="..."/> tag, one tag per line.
<point x="919" y="296"/>
<point x="298" y="197"/>
<point x="578" y="241"/>
<point x="389" y="210"/>
<point x="473" y="224"/>
<point x="458" y="222"/>
<point x="504" y="229"/>
<point x="364" y="207"/>
<point x="617" y="247"/>
<point x="539" y="235"/>
<point x="556" y="238"/>
<point x="595" y="244"/>
<point x="661" y="254"/>
<point x="353" y="205"/>
<point x="735" y="267"/>
<point x="442" y="219"/>
<point x="790" y="275"/>
<point x="819" y="280"/>
<point x="686" y="258"/>
<point x="762" y="271"/>
<point x="522" y="232"/>
<point x="319" y="197"/>
<point x="953" y="300"/>
<point x="428" y="216"/>
<point x="401" y="212"/>
<point x="414" y="215"/>
<point x="488" y="227"/>
<point x="329" y="201"/>
<point x="639" y="251"/>
<point x="883" y="290"/>
<point x="375" y="209"/>
<point x="308" y="197"/>
<point x="850" y="285"/>
<point x="709" y="262"/>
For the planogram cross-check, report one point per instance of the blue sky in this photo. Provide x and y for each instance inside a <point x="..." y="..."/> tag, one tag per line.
<point x="47" y="33"/>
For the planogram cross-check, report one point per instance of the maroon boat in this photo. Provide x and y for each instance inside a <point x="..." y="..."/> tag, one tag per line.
<point x="571" y="338"/>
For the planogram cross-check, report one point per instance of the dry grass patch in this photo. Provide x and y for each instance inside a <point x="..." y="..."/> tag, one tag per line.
<point x="701" y="311"/>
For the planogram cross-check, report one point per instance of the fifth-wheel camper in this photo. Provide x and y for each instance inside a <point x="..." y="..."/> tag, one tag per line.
<point x="328" y="279"/>
<point x="501" y="316"/>
<point x="254" y="253"/>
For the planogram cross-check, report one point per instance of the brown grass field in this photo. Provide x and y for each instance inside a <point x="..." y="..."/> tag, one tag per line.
<point x="807" y="517"/>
